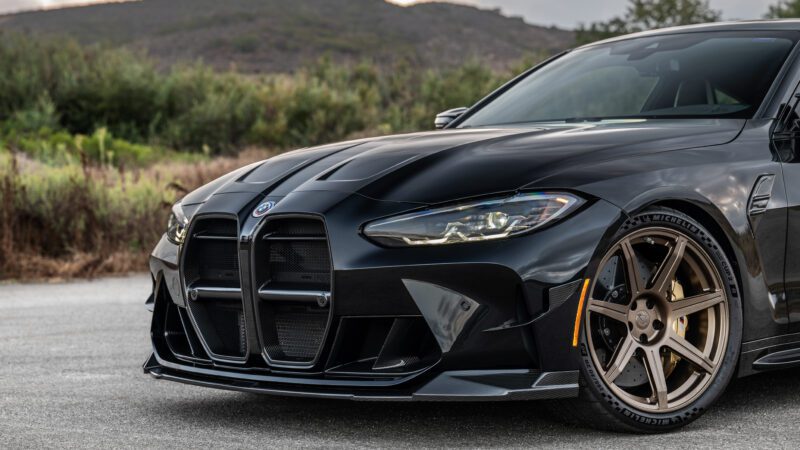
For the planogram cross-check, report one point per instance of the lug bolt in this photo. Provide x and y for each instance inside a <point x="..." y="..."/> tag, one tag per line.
<point x="650" y="304"/>
<point x="657" y="325"/>
<point x="614" y="294"/>
<point x="643" y="338"/>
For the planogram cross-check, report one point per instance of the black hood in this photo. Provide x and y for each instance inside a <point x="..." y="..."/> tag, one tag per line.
<point x="441" y="166"/>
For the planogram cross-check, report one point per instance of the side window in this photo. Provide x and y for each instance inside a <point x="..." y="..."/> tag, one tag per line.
<point x="790" y="122"/>
<point x="787" y="132"/>
<point x="793" y="121"/>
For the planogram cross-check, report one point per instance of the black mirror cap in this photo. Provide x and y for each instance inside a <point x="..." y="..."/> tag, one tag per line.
<point x="444" y="118"/>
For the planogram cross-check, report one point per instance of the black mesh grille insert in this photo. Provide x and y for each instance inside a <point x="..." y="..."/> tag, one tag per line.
<point x="219" y="262"/>
<point x="211" y="273"/>
<point x="299" y="262"/>
<point x="211" y="253"/>
<point x="299" y="333"/>
<point x="291" y="256"/>
<point x="297" y="228"/>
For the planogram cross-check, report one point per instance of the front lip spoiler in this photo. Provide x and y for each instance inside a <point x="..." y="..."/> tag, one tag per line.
<point x="463" y="385"/>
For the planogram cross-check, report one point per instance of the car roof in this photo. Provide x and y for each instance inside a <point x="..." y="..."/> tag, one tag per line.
<point x="744" y="25"/>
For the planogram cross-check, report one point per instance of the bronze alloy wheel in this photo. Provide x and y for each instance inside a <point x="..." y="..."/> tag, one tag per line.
<point x="657" y="320"/>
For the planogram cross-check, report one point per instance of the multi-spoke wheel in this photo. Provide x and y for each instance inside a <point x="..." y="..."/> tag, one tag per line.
<point x="661" y="327"/>
<point x="657" y="319"/>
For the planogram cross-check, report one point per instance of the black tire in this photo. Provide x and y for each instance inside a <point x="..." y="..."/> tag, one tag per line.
<point x="597" y="406"/>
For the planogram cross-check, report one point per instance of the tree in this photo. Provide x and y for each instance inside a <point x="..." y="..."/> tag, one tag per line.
<point x="784" y="9"/>
<point x="649" y="14"/>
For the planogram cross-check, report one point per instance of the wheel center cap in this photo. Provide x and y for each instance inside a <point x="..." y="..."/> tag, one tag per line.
<point x="642" y="319"/>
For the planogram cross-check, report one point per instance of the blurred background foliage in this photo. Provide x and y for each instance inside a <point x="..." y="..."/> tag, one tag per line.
<point x="644" y="15"/>
<point x="784" y="9"/>
<point x="60" y="101"/>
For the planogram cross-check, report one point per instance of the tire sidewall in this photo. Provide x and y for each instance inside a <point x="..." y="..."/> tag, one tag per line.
<point x="652" y="422"/>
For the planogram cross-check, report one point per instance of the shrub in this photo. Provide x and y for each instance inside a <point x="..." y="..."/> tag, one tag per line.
<point x="53" y="86"/>
<point x="101" y="148"/>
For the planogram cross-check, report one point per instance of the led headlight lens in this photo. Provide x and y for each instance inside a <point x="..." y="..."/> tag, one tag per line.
<point x="472" y="222"/>
<point x="177" y="225"/>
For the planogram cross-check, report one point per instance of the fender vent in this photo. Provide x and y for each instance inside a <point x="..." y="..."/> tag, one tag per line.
<point x="762" y="192"/>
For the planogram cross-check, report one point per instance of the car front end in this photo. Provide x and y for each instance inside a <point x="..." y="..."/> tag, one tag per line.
<point x="301" y="300"/>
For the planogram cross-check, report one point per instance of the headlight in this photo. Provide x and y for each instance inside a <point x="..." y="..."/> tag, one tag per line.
<point x="471" y="222"/>
<point x="177" y="225"/>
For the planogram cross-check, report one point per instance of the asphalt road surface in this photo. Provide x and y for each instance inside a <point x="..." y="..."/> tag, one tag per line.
<point x="70" y="376"/>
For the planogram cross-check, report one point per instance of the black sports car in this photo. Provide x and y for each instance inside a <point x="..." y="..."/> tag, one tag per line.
<point x="612" y="229"/>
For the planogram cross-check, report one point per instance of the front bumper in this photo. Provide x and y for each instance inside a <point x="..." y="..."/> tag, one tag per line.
<point x="514" y="344"/>
<point x="465" y="385"/>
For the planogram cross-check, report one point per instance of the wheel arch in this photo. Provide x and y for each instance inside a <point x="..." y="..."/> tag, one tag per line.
<point x="704" y="211"/>
<point x="710" y="217"/>
<point x="710" y="223"/>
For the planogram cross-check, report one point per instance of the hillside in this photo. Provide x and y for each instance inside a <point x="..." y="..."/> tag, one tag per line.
<point x="280" y="35"/>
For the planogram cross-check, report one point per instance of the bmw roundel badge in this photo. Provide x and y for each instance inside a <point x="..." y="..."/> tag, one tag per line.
<point x="263" y="208"/>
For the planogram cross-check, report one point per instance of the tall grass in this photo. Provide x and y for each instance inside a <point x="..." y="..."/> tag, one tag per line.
<point x="80" y="219"/>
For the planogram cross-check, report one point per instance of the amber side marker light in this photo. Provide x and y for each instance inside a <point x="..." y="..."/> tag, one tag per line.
<point x="579" y="313"/>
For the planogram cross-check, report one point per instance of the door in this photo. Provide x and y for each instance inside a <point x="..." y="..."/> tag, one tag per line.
<point x="786" y="145"/>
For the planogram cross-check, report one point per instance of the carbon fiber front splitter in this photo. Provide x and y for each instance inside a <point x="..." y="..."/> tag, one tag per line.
<point x="465" y="385"/>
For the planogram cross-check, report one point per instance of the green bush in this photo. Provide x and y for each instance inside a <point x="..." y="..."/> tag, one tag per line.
<point x="203" y="109"/>
<point x="56" y="86"/>
<point x="245" y="43"/>
<point x="101" y="147"/>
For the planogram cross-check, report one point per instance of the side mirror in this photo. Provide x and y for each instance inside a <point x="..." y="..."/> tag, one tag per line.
<point x="444" y="118"/>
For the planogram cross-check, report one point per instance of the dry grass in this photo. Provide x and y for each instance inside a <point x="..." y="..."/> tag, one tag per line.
<point x="86" y="221"/>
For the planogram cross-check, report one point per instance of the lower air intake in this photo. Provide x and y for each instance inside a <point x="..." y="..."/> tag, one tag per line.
<point x="299" y="334"/>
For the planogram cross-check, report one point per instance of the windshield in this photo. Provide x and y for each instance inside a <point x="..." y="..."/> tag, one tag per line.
<point x="711" y="74"/>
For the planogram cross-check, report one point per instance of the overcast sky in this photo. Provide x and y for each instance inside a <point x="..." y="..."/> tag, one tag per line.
<point x="564" y="13"/>
<point x="7" y="6"/>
